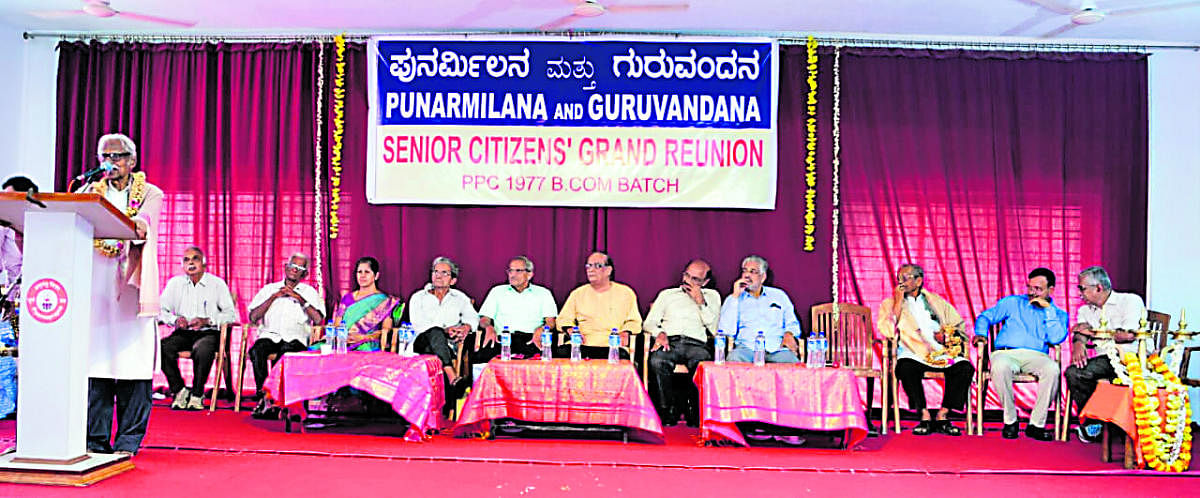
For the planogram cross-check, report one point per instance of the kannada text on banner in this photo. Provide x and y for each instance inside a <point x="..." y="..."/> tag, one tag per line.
<point x="662" y="123"/>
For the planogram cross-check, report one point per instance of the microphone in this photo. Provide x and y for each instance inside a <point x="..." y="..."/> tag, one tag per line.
<point x="104" y="166"/>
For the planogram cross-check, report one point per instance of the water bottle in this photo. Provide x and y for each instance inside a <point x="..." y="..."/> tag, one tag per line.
<point x="505" y="344"/>
<point x="547" y="344"/>
<point x="330" y="338"/>
<point x="719" y="347"/>
<point x="342" y="337"/>
<point x="810" y="349"/>
<point x="576" y="344"/>
<point x="760" y="349"/>
<point x="402" y="339"/>
<point x="822" y="349"/>
<point x="614" y="347"/>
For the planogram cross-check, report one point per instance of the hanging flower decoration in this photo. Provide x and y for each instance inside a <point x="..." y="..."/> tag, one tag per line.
<point x="1166" y="441"/>
<point x="810" y="159"/>
<point x="137" y="195"/>
<point x="339" y="121"/>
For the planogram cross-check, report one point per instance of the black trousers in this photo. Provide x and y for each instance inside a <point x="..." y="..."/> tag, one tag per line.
<point x="911" y="373"/>
<point x="133" y="414"/>
<point x="588" y="352"/>
<point x="262" y="350"/>
<point x="1082" y="381"/>
<point x="685" y="351"/>
<point x="436" y="342"/>
<point x="202" y="344"/>
<point x="522" y="346"/>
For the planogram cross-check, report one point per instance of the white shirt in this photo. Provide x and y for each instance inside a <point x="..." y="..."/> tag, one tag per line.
<point x="285" y="320"/>
<point x="426" y="311"/>
<point x="524" y="311"/>
<point x="1123" y="311"/>
<point x="676" y="313"/>
<point x="209" y="298"/>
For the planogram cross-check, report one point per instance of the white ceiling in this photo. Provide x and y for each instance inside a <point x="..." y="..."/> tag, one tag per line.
<point x="936" y="18"/>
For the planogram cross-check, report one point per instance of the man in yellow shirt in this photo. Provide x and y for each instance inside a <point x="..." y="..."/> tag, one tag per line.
<point x="598" y="307"/>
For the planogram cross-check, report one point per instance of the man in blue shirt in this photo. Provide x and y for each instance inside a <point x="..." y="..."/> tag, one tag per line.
<point x="754" y="307"/>
<point x="1031" y="324"/>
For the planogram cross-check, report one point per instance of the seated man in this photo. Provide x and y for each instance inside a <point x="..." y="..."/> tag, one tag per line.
<point x="597" y="307"/>
<point x="520" y="305"/>
<point x="753" y="308"/>
<point x="931" y="340"/>
<point x="1031" y="324"/>
<point x="196" y="304"/>
<point x="441" y="315"/>
<point x="680" y="321"/>
<point x="1123" y="312"/>
<point x="287" y="310"/>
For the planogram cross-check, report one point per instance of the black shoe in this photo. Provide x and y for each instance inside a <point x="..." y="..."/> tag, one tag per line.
<point x="265" y="411"/>
<point x="1011" y="431"/>
<point x="945" y="427"/>
<point x="1038" y="433"/>
<point x="923" y="428"/>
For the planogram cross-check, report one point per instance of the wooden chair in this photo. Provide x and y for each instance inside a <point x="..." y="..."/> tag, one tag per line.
<point x="983" y="356"/>
<point x="1158" y="323"/>
<point x="316" y="332"/>
<point x="852" y="346"/>
<point x="892" y="345"/>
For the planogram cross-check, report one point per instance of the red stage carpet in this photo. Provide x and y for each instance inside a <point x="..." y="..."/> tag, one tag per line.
<point x="195" y="453"/>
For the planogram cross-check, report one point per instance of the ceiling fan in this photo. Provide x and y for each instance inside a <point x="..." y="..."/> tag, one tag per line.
<point x="101" y="8"/>
<point x="593" y="8"/>
<point x="1087" y="13"/>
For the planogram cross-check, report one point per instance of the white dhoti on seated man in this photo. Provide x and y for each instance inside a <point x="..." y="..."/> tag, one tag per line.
<point x="124" y="338"/>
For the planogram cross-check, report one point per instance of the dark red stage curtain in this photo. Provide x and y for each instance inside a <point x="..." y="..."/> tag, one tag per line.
<point x="981" y="166"/>
<point x="649" y="246"/>
<point x="226" y="130"/>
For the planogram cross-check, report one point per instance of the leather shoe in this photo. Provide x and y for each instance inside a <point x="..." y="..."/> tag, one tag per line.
<point x="1011" y="431"/>
<point x="1038" y="433"/>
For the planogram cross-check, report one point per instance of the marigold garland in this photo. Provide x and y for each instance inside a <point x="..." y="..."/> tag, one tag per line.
<point x="1166" y="443"/>
<point x="137" y="195"/>
<point x="810" y="159"/>
<point x="339" y="115"/>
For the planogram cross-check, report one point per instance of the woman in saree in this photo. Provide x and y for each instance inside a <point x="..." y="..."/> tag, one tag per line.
<point x="366" y="311"/>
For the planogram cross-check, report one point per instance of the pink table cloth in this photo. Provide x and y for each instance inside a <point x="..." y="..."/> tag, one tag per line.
<point x="591" y="392"/>
<point x="413" y="386"/>
<point x="824" y="399"/>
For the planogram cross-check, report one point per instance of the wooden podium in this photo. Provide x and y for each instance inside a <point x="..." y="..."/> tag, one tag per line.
<point x="56" y="318"/>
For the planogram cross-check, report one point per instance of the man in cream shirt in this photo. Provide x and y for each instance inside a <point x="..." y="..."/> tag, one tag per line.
<point x="599" y="306"/>
<point x="680" y="321"/>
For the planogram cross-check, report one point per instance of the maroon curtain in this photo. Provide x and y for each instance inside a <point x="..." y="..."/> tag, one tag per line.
<point x="981" y="166"/>
<point x="649" y="246"/>
<point x="226" y="130"/>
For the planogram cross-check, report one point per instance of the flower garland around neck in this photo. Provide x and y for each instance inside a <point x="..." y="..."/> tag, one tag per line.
<point x="1166" y="442"/>
<point x="137" y="195"/>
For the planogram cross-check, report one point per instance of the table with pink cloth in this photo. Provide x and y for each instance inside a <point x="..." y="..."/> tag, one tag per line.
<point x="590" y="392"/>
<point x="411" y="385"/>
<point x="822" y="399"/>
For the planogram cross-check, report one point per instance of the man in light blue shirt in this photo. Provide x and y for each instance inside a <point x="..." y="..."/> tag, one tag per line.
<point x="754" y="307"/>
<point x="1031" y="324"/>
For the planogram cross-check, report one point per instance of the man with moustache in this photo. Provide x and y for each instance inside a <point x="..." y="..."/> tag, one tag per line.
<point x="597" y="308"/>
<point x="124" y="338"/>
<point x="755" y="307"/>
<point x="287" y="310"/>
<point x="196" y="304"/>
<point x="520" y="305"/>
<point x="1032" y="323"/>
<point x="681" y="320"/>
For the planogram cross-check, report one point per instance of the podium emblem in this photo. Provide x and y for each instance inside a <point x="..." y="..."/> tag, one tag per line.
<point x="46" y="300"/>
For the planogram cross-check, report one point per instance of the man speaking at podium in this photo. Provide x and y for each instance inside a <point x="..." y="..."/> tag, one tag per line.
<point x="124" y="339"/>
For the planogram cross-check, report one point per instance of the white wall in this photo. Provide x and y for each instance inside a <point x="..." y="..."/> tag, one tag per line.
<point x="27" y="107"/>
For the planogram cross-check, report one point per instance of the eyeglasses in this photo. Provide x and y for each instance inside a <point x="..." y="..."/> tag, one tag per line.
<point x="693" y="279"/>
<point x="441" y="273"/>
<point x="905" y="278"/>
<point x="294" y="266"/>
<point x="752" y="271"/>
<point x="1084" y="287"/>
<point x="115" y="155"/>
<point x="596" y="266"/>
<point x="511" y="271"/>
